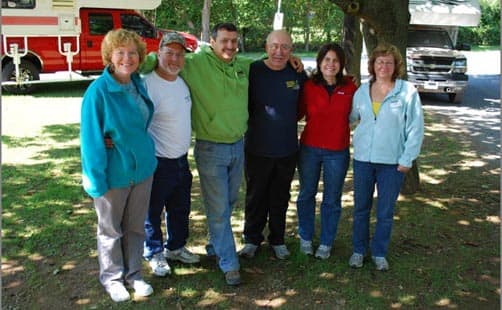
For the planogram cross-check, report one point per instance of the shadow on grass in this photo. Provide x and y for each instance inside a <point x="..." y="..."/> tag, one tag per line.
<point x="46" y="218"/>
<point x="444" y="250"/>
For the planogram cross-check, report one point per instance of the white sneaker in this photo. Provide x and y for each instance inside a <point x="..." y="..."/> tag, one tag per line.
<point x="118" y="292"/>
<point x="159" y="265"/>
<point x="323" y="252"/>
<point x="306" y="247"/>
<point x="380" y="263"/>
<point x="183" y="255"/>
<point x="248" y="251"/>
<point x="356" y="260"/>
<point x="281" y="251"/>
<point x="141" y="288"/>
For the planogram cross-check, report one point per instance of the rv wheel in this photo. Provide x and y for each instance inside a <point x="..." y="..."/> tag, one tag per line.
<point x="27" y="72"/>
<point x="456" y="97"/>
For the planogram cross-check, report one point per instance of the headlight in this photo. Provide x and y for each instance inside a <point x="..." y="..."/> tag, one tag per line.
<point x="460" y="62"/>
<point x="460" y="65"/>
<point x="408" y="63"/>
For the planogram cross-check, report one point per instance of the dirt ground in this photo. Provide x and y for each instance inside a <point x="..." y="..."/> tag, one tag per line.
<point x="18" y="294"/>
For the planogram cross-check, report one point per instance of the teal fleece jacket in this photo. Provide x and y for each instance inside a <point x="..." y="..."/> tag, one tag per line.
<point x="395" y="135"/>
<point x="108" y="110"/>
<point x="219" y="94"/>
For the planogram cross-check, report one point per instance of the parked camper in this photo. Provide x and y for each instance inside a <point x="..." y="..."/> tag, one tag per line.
<point x="435" y="63"/>
<point x="53" y="36"/>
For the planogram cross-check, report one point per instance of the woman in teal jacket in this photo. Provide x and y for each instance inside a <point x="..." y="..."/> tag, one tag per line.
<point x="386" y="141"/>
<point x="119" y="179"/>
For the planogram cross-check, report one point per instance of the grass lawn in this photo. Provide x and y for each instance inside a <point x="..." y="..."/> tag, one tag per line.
<point x="485" y="48"/>
<point x="445" y="249"/>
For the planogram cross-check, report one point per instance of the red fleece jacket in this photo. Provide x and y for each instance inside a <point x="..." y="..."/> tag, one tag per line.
<point x="327" y="117"/>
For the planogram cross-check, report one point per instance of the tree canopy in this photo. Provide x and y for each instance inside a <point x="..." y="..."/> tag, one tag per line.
<point x="310" y="22"/>
<point x="314" y="22"/>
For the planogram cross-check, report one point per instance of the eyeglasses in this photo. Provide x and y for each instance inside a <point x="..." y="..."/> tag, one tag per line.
<point x="170" y="53"/>
<point x="131" y="54"/>
<point x="284" y="47"/>
<point x="384" y="63"/>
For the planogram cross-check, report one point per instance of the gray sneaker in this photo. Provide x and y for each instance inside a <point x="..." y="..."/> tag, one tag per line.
<point x="159" y="265"/>
<point x="380" y="263"/>
<point x="323" y="252"/>
<point x="281" y="251"/>
<point x="356" y="260"/>
<point x="183" y="255"/>
<point x="233" y="277"/>
<point x="306" y="247"/>
<point x="248" y="251"/>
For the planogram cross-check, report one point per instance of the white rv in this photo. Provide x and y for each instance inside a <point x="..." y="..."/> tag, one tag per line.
<point x="435" y="63"/>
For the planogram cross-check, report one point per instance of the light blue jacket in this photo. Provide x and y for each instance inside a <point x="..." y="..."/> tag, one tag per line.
<point x="109" y="110"/>
<point x="395" y="135"/>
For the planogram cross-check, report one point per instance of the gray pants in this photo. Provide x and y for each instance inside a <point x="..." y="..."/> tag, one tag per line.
<point x="121" y="217"/>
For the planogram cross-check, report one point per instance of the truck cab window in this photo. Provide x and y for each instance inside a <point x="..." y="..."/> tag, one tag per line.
<point x="100" y="24"/>
<point x="18" y="4"/>
<point x="429" y="38"/>
<point x="138" y="24"/>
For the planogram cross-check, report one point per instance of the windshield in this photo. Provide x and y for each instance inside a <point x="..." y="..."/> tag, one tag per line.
<point x="429" y="38"/>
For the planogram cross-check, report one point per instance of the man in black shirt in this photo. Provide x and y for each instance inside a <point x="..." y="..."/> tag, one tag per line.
<point x="271" y="144"/>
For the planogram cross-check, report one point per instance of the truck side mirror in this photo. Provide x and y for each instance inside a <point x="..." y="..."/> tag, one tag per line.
<point x="463" y="47"/>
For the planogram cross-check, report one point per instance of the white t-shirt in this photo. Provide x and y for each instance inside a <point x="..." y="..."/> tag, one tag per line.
<point x="171" y="127"/>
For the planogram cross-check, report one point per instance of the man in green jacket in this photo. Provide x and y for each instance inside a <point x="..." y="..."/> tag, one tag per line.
<point x="218" y="80"/>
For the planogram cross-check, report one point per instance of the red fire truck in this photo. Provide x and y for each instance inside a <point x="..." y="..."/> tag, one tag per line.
<point x="60" y="40"/>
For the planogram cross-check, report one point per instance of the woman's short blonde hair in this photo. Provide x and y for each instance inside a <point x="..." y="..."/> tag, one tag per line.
<point x="386" y="49"/>
<point x="121" y="37"/>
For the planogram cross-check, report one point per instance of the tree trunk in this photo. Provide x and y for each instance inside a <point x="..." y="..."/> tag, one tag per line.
<point x="411" y="182"/>
<point x="352" y="45"/>
<point x="370" y="38"/>
<point x="307" y="27"/>
<point x="206" y="15"/>
<point x="388" y="20"/>
<point x="384" y="21"/>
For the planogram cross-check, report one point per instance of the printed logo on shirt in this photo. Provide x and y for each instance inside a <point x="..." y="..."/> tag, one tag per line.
<point x="293" y="84"/>
<point x="395" y="104"/>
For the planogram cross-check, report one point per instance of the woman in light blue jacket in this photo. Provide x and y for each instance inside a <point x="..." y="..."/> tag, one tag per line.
<point x="386" y="140"/>
<point x="119" y="179"/>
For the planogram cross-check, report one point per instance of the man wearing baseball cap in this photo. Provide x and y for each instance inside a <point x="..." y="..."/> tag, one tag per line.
<point x="171" y="131"/>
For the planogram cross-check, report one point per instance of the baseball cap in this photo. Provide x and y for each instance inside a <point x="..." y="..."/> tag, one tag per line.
<point x="173" y="37"/>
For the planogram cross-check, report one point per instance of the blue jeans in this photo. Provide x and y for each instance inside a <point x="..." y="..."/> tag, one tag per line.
<point x="388" y="184"/>
<point x="220" y="167"/>
<point x="172" y="183"/>
<point x="334" y="165"/>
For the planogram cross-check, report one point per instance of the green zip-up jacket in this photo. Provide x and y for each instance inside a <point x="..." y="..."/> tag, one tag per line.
<point x="219" y="94"/>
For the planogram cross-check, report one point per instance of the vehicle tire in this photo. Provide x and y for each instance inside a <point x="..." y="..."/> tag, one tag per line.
<point x="456" y="97"/>
<point x="27" y="71"/>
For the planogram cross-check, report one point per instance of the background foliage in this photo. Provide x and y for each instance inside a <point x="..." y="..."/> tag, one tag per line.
<point x="310" y="22"/>
<point x="488" y="31"/>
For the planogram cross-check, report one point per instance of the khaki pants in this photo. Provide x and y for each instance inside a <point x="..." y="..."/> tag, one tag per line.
<point x="121" y="217"/>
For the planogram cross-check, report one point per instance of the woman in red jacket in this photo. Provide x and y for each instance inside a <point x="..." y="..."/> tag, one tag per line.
<point x="326" y="104"/>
